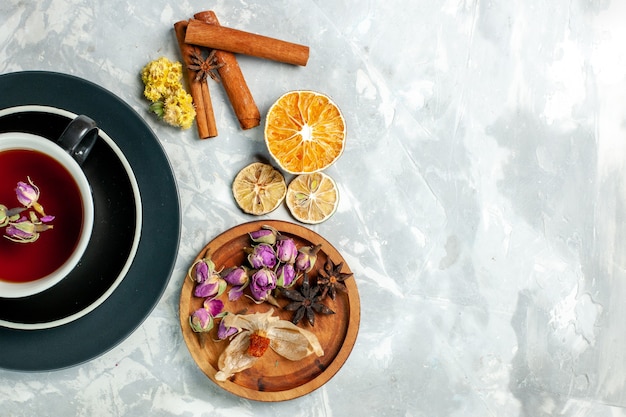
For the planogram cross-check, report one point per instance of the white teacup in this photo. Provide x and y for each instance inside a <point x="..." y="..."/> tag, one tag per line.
<point x="57" y="251"/>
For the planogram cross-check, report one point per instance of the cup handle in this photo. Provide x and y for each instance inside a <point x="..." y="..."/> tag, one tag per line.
<point x="79" y="137"/>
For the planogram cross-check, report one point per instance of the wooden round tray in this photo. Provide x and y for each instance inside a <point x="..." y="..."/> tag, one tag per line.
<point x="274" y="378"/>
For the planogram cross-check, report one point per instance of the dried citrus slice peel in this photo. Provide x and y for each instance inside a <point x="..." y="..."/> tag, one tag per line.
<point x="312" y="198"/>
<point x="305" y="131"/>
<point x="259" y="188"/>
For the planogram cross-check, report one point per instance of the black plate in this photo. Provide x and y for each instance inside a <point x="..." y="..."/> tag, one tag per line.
<point x="137" y="294"/>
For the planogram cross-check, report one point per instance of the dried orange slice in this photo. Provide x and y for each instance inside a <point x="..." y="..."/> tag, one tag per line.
<point x="312" y="198"/>
<point x="259" y="188"/>
<point x="305" y="132"/>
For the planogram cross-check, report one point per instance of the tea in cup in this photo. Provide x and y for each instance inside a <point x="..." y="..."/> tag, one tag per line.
<point x="46" y="207"/>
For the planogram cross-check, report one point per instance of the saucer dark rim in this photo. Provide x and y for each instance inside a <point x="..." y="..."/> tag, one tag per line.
<point x="126" y="308"/>
<point x="116" y="228"/>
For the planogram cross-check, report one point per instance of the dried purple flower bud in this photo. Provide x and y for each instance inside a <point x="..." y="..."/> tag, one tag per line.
<point x="238" y="278"/>
<point x="262" y="283"/>
<point x="307" y="256"/>
<point x="214" y="306"/>
<point x="213" y="286"/>
<point x="262" y="255"/>
<point x="224" y="332"/>
<point x="266" y="234"/>
<point x="201" y="321"/>
<point x="285" y="275"/>
<point x="22" y="231"/>
<point x="202" y="270"/>
<point x="286" y="250"/>
<point x="25" y="228"/>
<point x="209" y="283"/>
<point x="206" y="289"/>
<point x="27" y="194"/>
<point x="236" y="292"/>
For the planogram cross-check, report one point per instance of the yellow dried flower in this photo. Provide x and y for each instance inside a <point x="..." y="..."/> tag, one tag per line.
<point x="163" y="87"/>
<point x="156" y="71"/>
<point x="152" y="93"/>
<point x="179" y="110"/>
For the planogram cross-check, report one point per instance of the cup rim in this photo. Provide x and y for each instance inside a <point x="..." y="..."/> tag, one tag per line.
<point x="38" y="143"/>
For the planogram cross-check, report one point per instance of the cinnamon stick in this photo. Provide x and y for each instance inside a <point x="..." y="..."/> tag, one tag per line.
<point x="238" y="41"/>
<point x="233" y="81"/>
<point x="199" y="90"/>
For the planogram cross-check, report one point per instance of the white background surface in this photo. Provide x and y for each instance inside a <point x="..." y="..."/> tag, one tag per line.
<point x="482" y="200"/>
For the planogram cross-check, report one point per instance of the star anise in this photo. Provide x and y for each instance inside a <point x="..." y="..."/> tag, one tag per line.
<point x="204" y="67"/>
<point x="305" y="302"/>
<point x="331" y="279"/>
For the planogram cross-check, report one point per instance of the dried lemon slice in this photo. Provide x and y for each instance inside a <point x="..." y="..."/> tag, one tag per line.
<point x="305" y="132"/>
<point x="259" y="188"/>
<point x="312" y="198"/>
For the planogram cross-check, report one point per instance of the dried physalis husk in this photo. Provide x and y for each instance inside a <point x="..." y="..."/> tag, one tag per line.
<point x="285" y="338"/>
